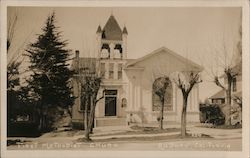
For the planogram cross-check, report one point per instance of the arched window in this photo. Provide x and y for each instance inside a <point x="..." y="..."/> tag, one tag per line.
<point x="168" y="97"/>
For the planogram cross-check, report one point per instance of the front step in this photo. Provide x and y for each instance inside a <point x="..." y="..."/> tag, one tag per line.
<point x="110" y="121"/>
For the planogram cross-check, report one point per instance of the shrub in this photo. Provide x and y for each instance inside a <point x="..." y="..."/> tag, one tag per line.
<point x="211" y="113"/>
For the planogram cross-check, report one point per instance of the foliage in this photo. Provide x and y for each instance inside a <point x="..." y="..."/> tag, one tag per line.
<point x="49" y="81"/>
<point x="159" y="87"/>
<point x="212" y="113"/>
<point x="13" y="75"/>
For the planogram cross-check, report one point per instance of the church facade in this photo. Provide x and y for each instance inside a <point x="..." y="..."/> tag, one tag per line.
<point x="128" y="83"/>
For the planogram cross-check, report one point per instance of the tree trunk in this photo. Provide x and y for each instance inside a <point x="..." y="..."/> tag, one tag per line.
<point x="228" y="99"/>
<point x="161" y="115"/>
<point x="86" y="120"/>
<point x="183" y="116"/>
<point x="92" y="115"/>
<point x="41" y="121"/>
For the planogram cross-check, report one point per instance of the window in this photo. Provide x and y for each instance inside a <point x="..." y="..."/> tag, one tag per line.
<point x="111" y="70"/>
<point x="168" y="97"/>
<point x="119" y="71"/>
<point x="234" y="84"/>
<point x="102" y="70"/>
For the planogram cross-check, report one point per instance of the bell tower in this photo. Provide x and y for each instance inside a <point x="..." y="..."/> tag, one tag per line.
<point x="111" y="49"/>
<point x="112" y="41"/>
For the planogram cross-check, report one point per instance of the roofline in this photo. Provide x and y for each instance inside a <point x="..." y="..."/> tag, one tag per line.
<point x="169" y="51"/>
<point x="134" y="68"/>
<point x="220" y="97"/>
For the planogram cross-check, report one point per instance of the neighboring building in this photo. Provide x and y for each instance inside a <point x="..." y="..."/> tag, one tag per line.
<point x="236" y="91"/>
<point x="218" y="98"/>
<point x="129" y="96"/>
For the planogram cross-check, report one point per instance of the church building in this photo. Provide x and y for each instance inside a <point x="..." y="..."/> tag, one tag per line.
<point x="128" y="83"/>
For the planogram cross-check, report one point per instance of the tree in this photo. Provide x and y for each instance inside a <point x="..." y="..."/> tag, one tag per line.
<point x="13" y="81"/>
<point x="229" y="75"/>
<point x="49" y="81"/>
<point x="185" y="82"/>
<point x="90" y="85"/>
<point x="159" y="87"/>
<point x="231" y="69"/>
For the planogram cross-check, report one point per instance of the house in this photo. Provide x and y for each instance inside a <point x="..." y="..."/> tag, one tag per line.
<point x="218" y="98"/>
<point x="128" y="83"/>
<point x="236" y="93"/>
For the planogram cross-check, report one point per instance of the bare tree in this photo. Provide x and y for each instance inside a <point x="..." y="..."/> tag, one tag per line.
<point x="229" y="75"/>
<point x="11" y="31"/>
<point x="90" y="89"/>
<point x="12" y="68"/>
<point x="230" y="61"/>
<point x="185" y="82"/>
<point x="90" y="80"/>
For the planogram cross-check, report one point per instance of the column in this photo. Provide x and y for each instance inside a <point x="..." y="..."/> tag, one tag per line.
<point x="130" y="96"/>
<point x="111" y="46"/>
<point x="174" y="97"/>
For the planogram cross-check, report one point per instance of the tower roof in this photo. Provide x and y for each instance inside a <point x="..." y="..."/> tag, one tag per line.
<point x="112" y="30"/>
<point x="125" y="31"/>
<point x="99" y="29"/>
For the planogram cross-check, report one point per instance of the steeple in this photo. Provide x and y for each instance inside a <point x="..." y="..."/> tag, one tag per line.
<point x="99" y="29"/>
<point x="124" y="31"/>
<point x="112" y="30"/>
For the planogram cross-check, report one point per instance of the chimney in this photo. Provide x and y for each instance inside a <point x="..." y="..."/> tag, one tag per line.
<point x="77" y="54"/>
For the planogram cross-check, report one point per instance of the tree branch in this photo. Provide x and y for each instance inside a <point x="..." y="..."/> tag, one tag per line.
<point x="217" y="82"/>
<point x="103" y="95"/>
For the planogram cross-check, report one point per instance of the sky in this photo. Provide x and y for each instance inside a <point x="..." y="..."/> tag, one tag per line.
<point x="197" y="33"/>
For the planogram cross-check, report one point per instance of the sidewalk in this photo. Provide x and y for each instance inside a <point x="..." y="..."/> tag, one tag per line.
<point x="116" y="132"/>
<point x="101" y="133"/>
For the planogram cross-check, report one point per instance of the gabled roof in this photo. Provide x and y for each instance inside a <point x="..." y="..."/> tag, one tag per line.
<point x="200" y="68"/>
<point x="112" y="30"/>
<point x="218" y="95"/>
<point x="89" y="63"/>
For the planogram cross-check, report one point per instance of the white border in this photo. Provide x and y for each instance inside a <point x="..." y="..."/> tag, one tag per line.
<point x="170" y="3"/>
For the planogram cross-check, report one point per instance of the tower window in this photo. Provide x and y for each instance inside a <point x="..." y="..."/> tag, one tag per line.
<point x="102" y="70"/>
<point x="106" y="46"/>
<point x="119" y="47"/>
<point x="111" y="70"/>
<point x="103" y="35"/>
<point x="119" y="71"/>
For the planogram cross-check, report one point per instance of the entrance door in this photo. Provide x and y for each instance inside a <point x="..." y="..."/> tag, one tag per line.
<point x="110" y="106"/>
<point x="110" y="102"/>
